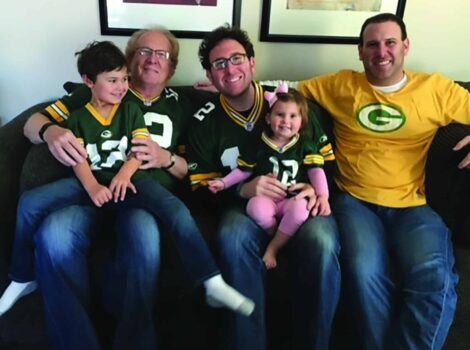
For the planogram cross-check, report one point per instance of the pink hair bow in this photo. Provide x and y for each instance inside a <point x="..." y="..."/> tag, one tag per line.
<point x="271" y="97"/>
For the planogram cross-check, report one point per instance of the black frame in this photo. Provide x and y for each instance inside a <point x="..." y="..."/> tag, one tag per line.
<point x="107" y="30"/>
<point x="321" y="39"/>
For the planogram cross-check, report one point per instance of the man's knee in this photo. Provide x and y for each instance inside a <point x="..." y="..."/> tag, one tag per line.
<point x="138" y="235"/>
<point x="320" y="234"/>
<point x="430" y="276"/>
<point x="65" y="232"/>
<point x="239" y="237"/>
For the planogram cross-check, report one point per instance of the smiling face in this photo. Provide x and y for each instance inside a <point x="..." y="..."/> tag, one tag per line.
<point x="149" y="71"/>
<point x="109" y="87"/>
<point x="285" y="121"/>
<point x="383" y="53"/>
<point x="233" y="80"/>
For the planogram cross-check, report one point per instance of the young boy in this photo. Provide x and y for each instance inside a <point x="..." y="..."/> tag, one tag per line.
<point x="105" y="126"/>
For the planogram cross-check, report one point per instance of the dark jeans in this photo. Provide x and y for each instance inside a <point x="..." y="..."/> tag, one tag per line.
<point x="413" y="310"/>
<point x="62" y="245"/>
<point x="315" y="279"/>
<point x="64" y="231"/>
<point x="36" y="204"/>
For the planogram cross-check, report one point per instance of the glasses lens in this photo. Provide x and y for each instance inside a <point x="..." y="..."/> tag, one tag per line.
<point x="237" y="59"/>
<point x="162" y="54"/>
<point x="144" y="51"/>
<point x="219" y="64"/>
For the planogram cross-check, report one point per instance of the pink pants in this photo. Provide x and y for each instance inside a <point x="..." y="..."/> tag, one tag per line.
<point x="292" y="213"/>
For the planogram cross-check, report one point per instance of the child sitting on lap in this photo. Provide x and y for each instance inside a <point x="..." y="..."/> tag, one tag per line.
<point x="290" y="157"/>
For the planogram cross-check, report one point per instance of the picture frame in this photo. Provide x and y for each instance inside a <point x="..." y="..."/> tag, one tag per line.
<point x="124" y="17"/>
<point x="326" y="25"/>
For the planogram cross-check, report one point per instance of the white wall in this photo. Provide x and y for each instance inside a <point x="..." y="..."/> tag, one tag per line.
<point x="38" y="39"/>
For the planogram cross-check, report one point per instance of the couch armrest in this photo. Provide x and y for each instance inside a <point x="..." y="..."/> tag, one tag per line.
<point x="13" y="149"/>
<point x="447" y="187"/>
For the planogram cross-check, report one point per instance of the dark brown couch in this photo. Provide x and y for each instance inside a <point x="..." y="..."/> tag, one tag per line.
<point x="184" y="321"/>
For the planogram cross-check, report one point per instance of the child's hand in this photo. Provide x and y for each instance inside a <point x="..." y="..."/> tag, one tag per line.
<point x="99" y="194"/>
<point x="119" y="186"/>
<point x="321" y="206"/>
<point x="216" y="185"/>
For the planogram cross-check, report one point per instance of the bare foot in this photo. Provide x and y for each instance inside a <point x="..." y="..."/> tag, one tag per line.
<point x="269" y="260"/>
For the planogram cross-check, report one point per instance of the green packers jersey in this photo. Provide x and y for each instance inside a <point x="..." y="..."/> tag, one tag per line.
<point x="290" y="162"/>
<point x="166" y="117"/>
<point x="219" y="132"/>
<point x="107" y="141"/>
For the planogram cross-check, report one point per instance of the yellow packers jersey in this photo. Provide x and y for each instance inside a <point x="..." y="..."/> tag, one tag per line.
<point x="382" y="139"/>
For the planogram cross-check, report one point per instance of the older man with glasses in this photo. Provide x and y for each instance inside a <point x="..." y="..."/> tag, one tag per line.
<point x="65" y="237"/>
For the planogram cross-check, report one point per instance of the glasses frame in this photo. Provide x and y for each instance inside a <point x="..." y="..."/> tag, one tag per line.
<point x="222" y="63"/>
<point x="148" y="52"/>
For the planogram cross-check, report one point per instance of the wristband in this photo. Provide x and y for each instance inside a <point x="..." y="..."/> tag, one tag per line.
<point x="43" y="130"/>
<point x="172" y="161"/>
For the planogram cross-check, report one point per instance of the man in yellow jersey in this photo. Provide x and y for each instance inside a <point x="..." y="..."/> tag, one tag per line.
<point x="397" y="256"/>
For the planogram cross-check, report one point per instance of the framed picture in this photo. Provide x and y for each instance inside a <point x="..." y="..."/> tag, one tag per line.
<point x="184" y="18"/>
<point x="321" y="21"/>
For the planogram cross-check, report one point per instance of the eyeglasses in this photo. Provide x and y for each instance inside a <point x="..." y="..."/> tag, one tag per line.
<point x="235" y="59"/>
<point x="148" y="52"/>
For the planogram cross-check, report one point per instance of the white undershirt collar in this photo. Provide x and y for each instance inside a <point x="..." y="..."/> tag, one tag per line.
<point x="392" y="88"/>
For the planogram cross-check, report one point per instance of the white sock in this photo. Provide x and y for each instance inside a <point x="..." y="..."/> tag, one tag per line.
<point x="219" y="293"/>
<point x="15" y="291"/>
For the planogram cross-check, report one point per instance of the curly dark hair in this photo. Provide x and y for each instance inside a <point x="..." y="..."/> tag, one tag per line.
<point x="213" y="38"/>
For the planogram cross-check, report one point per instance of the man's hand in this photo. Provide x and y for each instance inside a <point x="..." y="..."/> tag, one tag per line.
<point x="304" y="190"/>
<point x="150" y="153"/>
<point x="265" y="185"/>
<point x="64" y="146"/>
<point x="321" y="207"/>
<point x="465" y="163"/>
<point x="205" y="85"/>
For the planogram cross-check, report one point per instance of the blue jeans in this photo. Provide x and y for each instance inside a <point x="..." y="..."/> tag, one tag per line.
<point x="398" y="271"/>
<point x="36" y="204"/>
<point x="62" y="245"/>
<point x="315" y="279"/>
<point x="172" y="213"/>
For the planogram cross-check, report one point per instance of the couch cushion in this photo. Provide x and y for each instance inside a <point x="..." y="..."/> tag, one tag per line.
<point x="40" y="167"/>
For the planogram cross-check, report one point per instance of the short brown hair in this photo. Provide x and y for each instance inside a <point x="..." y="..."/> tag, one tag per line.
<point x="381" y="18"/>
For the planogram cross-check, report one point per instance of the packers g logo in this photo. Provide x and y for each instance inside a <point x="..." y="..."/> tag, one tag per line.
<point x="106" y="134"/>
<point x="381" y="118"/>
